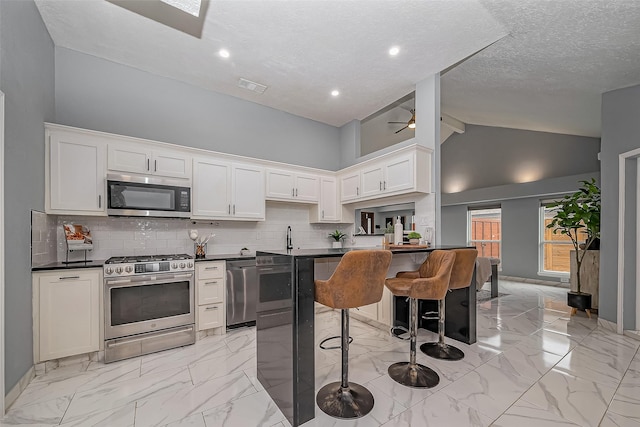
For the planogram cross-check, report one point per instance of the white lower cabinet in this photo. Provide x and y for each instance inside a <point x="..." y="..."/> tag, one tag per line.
<point x="380" y="311"/>
<point x="210" y="300"/>
<point x="67" y="313"/>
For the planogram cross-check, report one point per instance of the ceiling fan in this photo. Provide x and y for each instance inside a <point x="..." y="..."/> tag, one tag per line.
<point x="411" y="124"/>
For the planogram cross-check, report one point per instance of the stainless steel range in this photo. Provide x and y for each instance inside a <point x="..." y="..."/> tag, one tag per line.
<point x="149" y="304"/>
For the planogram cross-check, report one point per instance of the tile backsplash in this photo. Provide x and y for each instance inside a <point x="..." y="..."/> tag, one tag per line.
<point x="43" y="239"/>
<point x="141" y="236"/>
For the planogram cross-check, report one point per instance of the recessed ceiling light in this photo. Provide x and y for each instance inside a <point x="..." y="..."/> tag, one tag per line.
<point x="335" y="92"/>
<point x="223" y="53"/>
<point x="394" y="51"/>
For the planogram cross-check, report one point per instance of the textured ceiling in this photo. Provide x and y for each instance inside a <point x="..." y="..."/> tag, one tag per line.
<point x="548" y="74"/>
<point x="300" y="49"/>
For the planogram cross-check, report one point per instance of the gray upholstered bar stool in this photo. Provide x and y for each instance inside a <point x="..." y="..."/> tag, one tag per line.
<point x="461" y="276"/>
<point x="358" y="280"/>
<point x="431" y="281"/>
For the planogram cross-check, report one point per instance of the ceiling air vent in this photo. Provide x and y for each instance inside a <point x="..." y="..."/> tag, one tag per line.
<point x="253" y="86"/>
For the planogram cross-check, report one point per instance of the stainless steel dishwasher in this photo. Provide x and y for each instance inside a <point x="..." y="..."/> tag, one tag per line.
<point x="242" y="293"/>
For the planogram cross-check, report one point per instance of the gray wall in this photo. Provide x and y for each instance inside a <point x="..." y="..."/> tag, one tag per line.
<point x="27" y="79"/>
<point x="487" y="156"/>
<point x="620" y="133"/>
<point x="97" y="94"/>
<point x="505" y="153"/>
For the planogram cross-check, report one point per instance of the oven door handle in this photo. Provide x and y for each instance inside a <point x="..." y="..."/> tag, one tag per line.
<point x="150" y="280"/>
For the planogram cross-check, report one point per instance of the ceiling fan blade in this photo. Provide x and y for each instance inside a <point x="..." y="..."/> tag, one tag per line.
<point x="401" y="129"/>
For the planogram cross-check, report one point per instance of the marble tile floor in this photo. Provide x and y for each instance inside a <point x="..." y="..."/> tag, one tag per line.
<point x="533" y="365"/>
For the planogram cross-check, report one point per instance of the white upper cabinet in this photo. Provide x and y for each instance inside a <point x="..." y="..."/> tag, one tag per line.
<point x="225" y="190"/>
<point x="408" y="170"/>
<point x="140" y="158"/>
<point x="75" y="173"/>
<point x="350" y="185"/>
<point x="328" y="209"/>
<point x="291" y="186"/>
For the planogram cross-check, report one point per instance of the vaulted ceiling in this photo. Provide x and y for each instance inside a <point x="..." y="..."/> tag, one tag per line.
<point x="529" y="64"/>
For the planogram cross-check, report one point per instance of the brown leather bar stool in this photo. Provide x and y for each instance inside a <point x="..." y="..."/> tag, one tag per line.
<point x="461" y="276"/>
<point x="358" y="280"/>
<point x="431" y="281"/>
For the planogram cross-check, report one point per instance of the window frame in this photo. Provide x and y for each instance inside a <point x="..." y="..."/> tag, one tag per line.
<point x="470" y="212"/>
<point x="542" y="242"/>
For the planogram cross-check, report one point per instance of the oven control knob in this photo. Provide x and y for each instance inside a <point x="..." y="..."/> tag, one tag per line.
<point x="108" y="270"/>
<point x="128" y="269"/>
<point x="119" y="270"/>
<point x="190" y="264"/>
<point x="182" y="265"/>
<point x="174" y="265"/>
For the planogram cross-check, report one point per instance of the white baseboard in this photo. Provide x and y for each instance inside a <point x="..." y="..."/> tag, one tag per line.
<point x="632" y="334"/>
<point x="14" y="393"/>
<point x="535" y="281"/>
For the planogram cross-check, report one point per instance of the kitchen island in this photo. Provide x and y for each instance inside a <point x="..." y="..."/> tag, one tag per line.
<point x="285" y="324"/>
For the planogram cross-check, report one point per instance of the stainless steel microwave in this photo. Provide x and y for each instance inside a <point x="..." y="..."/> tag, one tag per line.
<point x="132" y="195"/>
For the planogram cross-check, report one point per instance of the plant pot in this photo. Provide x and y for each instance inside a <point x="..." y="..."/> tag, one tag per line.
<point x="337" y="245"/>
<point x="414" y="241"/>
<point x="595" y="245"/>
<point x="579" y="300"/>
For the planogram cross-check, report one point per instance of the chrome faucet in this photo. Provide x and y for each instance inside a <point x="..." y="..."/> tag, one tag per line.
<point x="289" y="243"/>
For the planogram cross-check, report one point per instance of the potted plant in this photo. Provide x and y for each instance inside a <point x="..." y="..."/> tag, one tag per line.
<point x="578" y="215"/>
<point x="337" y="236"/>
<point x="414" y="237"/>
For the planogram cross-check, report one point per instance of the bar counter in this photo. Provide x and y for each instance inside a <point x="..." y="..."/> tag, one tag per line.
<point x="285" y="324"/>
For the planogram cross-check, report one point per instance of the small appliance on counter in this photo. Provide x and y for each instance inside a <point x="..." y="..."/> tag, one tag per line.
<point x="77" y="238"/>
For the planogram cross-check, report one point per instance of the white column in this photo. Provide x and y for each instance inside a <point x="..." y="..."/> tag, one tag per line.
<point x="428" y="135"/>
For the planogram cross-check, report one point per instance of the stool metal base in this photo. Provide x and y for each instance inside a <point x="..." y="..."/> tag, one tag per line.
<point x="354" y="401"/>
<point x="417" y="376"/>
<point x="442" y="351"/>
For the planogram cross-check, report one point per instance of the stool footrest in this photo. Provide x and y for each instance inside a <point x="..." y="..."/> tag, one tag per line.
<point x="393" y="329"/>
<point x="335" y="346"/>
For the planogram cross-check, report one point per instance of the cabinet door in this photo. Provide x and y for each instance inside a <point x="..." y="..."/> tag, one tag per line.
<point x="329" y="200"/>
<point x="306" y="188"/>
<point x="280" y="184"/>
<point x="211" y="190"/>
<point x="129" y="158"/>
<point x="76" y="174"/>
<point x="399" y="174"/>
<point x="350" y="186"/>
<point x="210" y="291"/>
<point x="248" y="192"/>
<point x="372" y="180"/>
<point x="210" y="316"/>
<point x="385" y="307"/>
<point x="69" y="309"/>
<point x="171" y="163"/>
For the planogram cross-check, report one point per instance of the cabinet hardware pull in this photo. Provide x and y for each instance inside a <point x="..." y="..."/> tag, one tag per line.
<point x="215" y="267"/>
<point x="293" y="192"/>
<point x="211" y="283"/>
<point x="384" y="187"/>
<point x="234" y="209"/>
<point x="357" y="191"/>
<point x="323" y="214"/>
<point x="155" y="166"/>
<point x="211" y="308"/>
<point x="69" y="277"/>
<point x="148" y="164"/>
<point x="99" y="201"/>
<point x="296" y="192"/>
<point x="229" y="209"/>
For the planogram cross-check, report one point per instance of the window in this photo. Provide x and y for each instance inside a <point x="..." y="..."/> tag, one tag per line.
<point x="484" y="231"/>
<point x="555" y="248"/>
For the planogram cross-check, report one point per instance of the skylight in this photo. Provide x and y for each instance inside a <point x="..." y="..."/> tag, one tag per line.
<point x="192" y="7"/>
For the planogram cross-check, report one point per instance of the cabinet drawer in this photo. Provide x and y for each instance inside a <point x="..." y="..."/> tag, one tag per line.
<point x="210" y="291"/>
<point x="210" y="270"/>
<point x="210" y="316"/>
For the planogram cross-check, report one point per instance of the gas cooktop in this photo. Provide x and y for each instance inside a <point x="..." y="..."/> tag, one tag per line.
<point x="147" y="258"/>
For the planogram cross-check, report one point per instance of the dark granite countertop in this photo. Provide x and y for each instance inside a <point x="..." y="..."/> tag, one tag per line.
<point x="73" y="265"/>
<point x="225" y="257"/>
<point x="330" y="252"/>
